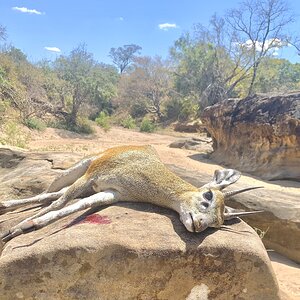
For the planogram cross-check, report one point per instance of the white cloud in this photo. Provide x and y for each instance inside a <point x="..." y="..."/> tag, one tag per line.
<point x="271" y="44"/>
<point x="167" y="26"/>
<point x="53" y="49"/>
<point x="27" y="10"/>
<point x="121" y="19"/>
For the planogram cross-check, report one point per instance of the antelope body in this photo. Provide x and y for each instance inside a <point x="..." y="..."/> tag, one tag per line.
<point x="129" y="173"/>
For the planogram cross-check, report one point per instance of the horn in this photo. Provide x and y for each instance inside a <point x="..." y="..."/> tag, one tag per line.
<point x="232" y="193"/>
<point x="231" y="215"/>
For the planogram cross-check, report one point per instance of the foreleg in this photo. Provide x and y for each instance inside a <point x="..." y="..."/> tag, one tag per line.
<point x="102" y="198"/>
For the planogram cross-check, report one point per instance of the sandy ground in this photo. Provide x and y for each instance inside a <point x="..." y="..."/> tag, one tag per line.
<point x="287" y="272"/>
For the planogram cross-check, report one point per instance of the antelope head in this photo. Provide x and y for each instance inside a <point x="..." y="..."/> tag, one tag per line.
<point x="206" y="208"/>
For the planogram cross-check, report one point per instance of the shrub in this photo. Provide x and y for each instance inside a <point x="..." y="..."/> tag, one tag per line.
<point x="182" y="109"/>
<point x="128" y="122"/>
<point x="103" y="120"/>
<point x="13" y="135"/>
<point x="147" y="126"/>
<point x="84" y="126"/>
<point x="35" y="123"/>
<point x="138" y="109"/>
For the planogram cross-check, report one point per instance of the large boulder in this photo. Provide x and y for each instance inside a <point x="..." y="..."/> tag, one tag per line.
<point x="279" y="224"/>
<point x="259" y="135"/>
<point x="125" y="251"/>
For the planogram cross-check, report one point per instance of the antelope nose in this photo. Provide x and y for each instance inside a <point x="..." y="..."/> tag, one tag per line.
<point x="200" y="224"/>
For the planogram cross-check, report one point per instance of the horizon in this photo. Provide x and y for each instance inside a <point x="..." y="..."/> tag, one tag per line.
<point x="47" y="29"/>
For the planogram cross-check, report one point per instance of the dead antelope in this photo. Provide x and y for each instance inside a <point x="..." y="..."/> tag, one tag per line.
<point x="130" y="173"/>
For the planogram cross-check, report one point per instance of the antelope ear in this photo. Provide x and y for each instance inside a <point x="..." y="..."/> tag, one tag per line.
<point x="223" y="178"/>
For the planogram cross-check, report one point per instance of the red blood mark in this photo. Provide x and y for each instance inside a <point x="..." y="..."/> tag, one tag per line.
<point x="95" y="219"/>
<point x="92" y="219"/>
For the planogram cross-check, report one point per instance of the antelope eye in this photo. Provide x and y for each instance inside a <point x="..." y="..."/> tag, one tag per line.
<point x="208" y="195"/>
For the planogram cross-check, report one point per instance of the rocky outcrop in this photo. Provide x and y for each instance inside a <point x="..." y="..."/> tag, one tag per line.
<point x="259" y="135"/>
<point x="280" y="221"/>
<point x="203" y="144"/>
<point x="125" y="251"/>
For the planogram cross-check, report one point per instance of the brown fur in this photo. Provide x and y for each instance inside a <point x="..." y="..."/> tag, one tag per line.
<point x="138" y="174"/>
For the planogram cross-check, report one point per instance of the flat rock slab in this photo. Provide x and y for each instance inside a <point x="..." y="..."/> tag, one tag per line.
<point x="125" y="251"/>
<point x="136" y="251"/>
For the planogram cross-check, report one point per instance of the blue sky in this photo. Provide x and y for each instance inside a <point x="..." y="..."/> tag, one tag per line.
<point x="33" y="25"/>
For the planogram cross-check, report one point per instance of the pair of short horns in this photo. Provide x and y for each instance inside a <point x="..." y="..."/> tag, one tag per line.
<point x="232" y="213"/>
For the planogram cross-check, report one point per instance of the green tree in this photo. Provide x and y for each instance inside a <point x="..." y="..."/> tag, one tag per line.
<point x="147" y="87"/>
<point x="91" y="85"/>
<point x="199" y="70"/>
<point x="77" y="69"/>
<point x="104" y="85"/>
<point x="277" y="75"/>
<point x="123" y="56"/>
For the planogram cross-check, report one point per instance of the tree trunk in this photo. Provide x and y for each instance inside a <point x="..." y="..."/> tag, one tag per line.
<point x="250" y="91"/>
<point x="75" y="109"/>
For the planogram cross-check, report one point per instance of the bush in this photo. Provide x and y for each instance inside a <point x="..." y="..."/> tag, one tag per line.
<point x="103" y="120"/>
<point x="83" y="126"/>
<point x="128" y="123"/>
<point x="35" y="123"/>
<point x="182" y="109"/>
<point x="147" y="126"/>
<point x="138" y="109"/>
<point x="13" y="135"/>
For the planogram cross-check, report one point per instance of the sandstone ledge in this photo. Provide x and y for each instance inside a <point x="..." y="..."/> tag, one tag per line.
<point x="143" y="252"/>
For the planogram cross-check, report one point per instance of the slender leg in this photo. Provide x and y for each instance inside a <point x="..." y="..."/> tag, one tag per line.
<point x="102" y="198"/>
<point x="10" y="205"/>
<point x="56" y="189"/>
<point x="70" y="175"/>
<point x="75" y="190"/>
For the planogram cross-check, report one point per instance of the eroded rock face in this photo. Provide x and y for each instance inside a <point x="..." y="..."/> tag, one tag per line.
<point x="127" y="251"/>
<point x="258" y="135"/>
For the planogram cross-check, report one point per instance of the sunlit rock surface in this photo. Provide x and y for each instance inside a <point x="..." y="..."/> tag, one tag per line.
<point x="259" y="135"/>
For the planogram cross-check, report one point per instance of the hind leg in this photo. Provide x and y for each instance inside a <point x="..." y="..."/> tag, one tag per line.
<point x="101" y="198"/>
<point x="56" y="189"/>
<point x="43" y="198"/>
<point x="78" y="188"/>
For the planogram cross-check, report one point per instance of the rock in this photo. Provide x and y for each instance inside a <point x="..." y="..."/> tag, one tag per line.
<point x="259" y="135"/>
<point x="192" y="127"/>
<point x="203" y="144"/>
<point x="28" y="173"/>
<point x="127" y="251"/>
<point x="281" y="217"/>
